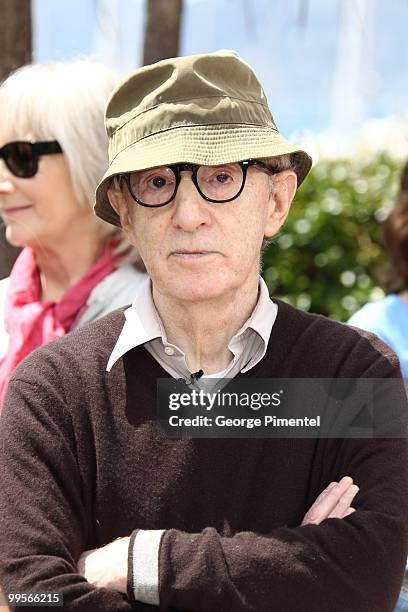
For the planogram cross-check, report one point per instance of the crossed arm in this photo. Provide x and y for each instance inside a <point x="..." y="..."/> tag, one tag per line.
<point x="355" y="558"/>
<point x="107" y="567"/>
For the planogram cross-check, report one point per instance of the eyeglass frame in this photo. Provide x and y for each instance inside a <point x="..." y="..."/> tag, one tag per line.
<point x="45" y="147"/>
<point x="193" y="168"/>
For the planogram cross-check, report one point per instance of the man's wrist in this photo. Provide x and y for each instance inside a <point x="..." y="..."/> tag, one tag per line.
<point x="106" y="567"/>
<point x="120" y="548"/>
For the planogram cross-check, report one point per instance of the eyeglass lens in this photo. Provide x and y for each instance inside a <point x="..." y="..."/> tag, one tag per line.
<point x="157" y="185"/>
<point x="20" y="159"/>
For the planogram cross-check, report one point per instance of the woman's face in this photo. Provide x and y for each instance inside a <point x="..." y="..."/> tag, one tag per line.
<point x="39" y="211"/>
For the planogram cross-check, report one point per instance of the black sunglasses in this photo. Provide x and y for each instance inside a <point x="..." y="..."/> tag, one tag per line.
<point x="21" y="156"/>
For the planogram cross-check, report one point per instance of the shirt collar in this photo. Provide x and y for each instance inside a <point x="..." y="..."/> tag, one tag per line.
<point x="143" y="324"/>
<point x="264" y="312"/>
<point x="261" y="321"/>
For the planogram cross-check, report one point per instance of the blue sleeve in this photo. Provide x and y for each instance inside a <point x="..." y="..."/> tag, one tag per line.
<point x="370" y="317"/>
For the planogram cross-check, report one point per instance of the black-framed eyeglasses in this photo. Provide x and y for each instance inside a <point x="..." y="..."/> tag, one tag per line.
<point x="158" y="186"/>
<point x="21" y="156"/>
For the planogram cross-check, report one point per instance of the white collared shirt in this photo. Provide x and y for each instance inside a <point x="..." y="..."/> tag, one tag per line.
<point x="143" y="326"/>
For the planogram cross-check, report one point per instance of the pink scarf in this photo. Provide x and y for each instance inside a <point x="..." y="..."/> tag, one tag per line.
<point x="30" y="322"/>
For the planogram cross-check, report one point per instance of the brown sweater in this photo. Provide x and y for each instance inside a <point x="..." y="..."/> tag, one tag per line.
<point x="83" y="462"/>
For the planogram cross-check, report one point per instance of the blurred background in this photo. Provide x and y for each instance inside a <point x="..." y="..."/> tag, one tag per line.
<point x="336" y="77"/>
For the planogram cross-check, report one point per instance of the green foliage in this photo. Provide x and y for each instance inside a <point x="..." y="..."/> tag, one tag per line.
<point x="327" y="257"/>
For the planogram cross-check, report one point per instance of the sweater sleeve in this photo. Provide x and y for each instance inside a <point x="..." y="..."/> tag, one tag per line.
<point x="43" y="523"/>
<point x="353" y="564"/>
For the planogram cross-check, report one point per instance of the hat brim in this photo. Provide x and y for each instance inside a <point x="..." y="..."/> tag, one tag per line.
<point x="205" y="145"/>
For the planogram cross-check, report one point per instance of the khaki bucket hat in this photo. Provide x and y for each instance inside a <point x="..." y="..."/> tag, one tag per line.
<point x="205" y="109"/>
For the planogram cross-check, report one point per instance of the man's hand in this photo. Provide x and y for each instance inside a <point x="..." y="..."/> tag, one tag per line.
<point x="106" y="566"/>
<point x="333" y="502"/>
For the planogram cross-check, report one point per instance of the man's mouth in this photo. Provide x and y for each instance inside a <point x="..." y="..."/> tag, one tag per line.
<point x="191" y="254"/>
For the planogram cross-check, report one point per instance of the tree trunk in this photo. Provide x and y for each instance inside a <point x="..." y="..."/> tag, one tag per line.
<point x="15" y="51"/>
<point x="15" y="35"/>
<point x="162" y="32"/>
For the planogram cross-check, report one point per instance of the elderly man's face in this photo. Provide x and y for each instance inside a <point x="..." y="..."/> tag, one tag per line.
<point x="194" y="250"/>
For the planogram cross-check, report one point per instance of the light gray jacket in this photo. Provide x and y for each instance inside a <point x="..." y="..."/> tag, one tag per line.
<point x="117" y="289"/>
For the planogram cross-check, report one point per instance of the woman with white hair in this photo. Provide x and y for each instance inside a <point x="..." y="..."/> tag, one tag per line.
<point x="73" y="268"/>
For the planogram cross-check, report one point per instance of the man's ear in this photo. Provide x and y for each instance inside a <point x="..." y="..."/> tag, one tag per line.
<point x="283" y="191"/>
<point x="119" y="204"/>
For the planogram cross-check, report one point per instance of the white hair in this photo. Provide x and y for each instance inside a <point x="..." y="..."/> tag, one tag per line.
<point x="279" y="163"/>
<point x="65" y="101"/>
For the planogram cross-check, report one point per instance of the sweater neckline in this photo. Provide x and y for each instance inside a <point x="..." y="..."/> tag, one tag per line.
<point x="263" y="369"/>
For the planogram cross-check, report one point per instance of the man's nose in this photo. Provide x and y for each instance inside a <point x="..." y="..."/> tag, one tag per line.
<point x="190" y="209"/>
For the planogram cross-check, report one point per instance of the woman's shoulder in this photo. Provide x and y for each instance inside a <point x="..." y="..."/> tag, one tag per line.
<point x="120" y="285"/>
<point x="117" y="289"/>
<point x="385" y="318"/>
<point x="379" y="311"/>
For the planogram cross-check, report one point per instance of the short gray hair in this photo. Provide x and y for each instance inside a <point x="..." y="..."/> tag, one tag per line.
<point x="281" y="162"/>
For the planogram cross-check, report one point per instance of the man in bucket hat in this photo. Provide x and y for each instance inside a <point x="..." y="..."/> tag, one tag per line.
<point x="97" y="504"/>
